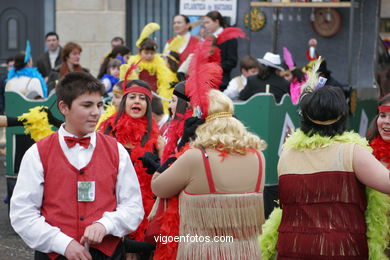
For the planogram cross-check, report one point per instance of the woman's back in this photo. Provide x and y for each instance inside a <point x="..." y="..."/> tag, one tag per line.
<point x="323" y="204"/>
<point x="224" y="202"/>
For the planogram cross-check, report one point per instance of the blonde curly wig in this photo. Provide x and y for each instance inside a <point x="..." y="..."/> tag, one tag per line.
<point x="224" y="132"/>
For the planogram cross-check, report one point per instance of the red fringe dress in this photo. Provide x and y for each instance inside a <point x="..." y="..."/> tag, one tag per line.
<point x="130" y="131"/>
<point x="323" y="207"/>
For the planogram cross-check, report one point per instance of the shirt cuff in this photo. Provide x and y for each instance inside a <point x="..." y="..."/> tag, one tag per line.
<point x="60" y="243"/>
<point x="107" y="224"/>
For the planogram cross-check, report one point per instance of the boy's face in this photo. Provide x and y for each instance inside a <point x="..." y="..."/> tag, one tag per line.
<point x="147" y="55"/>
<point x="250" y="72"/>
<point x="83" y="115"/>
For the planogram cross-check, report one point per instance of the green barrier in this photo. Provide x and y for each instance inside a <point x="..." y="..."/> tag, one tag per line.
<point x="16" y="105"/>
<point x="272" y="122"/>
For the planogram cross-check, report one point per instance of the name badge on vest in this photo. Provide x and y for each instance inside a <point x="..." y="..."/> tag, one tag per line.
<point x="85" y="191"/>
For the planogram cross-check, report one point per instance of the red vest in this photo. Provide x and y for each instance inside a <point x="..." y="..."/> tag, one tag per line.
<point x="59" y="204"/>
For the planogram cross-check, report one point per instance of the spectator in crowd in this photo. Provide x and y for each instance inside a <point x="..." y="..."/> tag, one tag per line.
<point x="267" y="81"/>
<point x="25" y="79"/>
<point x="182" y="27"/>
<point x="52" y="57"/>
<point x="116" y="41"/>
<point x="10" y="63"/>
<point x="215" y="25"/>
<point x="120" y="52"/>
<point x="111" y="77"/>
<point x="70" y="62"/>
<point x="249" y="66"/>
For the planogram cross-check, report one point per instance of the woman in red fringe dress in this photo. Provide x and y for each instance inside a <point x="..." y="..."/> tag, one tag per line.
<point x="134" y="127"/>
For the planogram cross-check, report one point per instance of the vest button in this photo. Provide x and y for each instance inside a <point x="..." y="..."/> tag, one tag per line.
<point x="81" y="172"/>
<point x="81" y="218"/>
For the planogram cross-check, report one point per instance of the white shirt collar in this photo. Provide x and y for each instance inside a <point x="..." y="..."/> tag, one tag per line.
<point x="62" y="133"/>
<point x="218" y="32"/>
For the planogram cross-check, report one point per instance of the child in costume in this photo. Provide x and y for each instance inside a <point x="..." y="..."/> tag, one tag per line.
<point x="134" y="127"/>
<point x="67" y="197"/>
<point x="111" y="77"/>
<point x="294" y="75"/>
<point x="151" y="66"/>
<point x="328" y="212"/>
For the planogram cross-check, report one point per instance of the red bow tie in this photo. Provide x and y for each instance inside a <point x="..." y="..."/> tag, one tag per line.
<point x="72" y="141"/>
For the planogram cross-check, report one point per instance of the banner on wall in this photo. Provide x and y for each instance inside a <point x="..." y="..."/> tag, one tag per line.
<point x="227" y="8"/>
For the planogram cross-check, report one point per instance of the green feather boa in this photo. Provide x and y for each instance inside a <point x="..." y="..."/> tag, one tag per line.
<point x="378" y="204"/>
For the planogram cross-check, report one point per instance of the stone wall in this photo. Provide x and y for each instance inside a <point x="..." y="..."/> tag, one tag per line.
<point x="92" y="24"/>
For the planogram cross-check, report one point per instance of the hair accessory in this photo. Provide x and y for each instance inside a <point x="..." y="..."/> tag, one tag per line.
<point x="327" y="122"/>
<point x="321" y="82"/>
<point x="146" y="32"/>
<point x="312" y="81"/>
<point x="384" y="109"/>
<point x="288" y="59"/>
<point x="218" y="115"/>
<point x="138" y="89"/>
<point x="171" y="57"/>
<point x="27" y="54"/>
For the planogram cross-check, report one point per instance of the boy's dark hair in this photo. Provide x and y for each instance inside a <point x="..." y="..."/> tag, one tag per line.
<point x="148" y="45"/>
<point x="326" y="103"/>
<point x="75" y="84"/>
<point x="118" y="38"/>
<point x="373" y="131"/>
<point x="248" y="62"/>
<point x="19" y="61"/>
<point x="157" y="106"/>
<point x="52" y="34"/>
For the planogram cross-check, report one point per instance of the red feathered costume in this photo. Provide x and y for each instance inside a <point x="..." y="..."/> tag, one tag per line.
<point x="129" y="131"/>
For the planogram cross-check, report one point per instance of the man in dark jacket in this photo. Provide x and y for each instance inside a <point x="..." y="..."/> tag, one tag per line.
<point x="267" y="81"/>
<point x="52" y="57"/>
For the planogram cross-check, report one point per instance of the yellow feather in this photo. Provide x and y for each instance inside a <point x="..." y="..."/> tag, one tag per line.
<point x="146" y="32"/>
<point x="123" y="69"/>
<point x="36" y="123"/>
<point x="109" y="111"/>
<point x="175" y="44"/>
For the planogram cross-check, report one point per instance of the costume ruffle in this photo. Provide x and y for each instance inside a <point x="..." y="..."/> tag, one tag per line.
<point x="28" y="72"/>
<point x="381" y="150"/>
<point x="108" y="111"/>
<point x="128" y="130"/>
<point x="378" y="204"/>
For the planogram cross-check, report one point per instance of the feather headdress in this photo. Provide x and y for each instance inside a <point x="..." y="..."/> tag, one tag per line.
<point x="27" y="54"/>
<point x="230" y="33"/>
<point x="146" y="32"/>
<point x="288" y="59"/>
<point x="204" y="75"/>
<point x="312" y="81"/>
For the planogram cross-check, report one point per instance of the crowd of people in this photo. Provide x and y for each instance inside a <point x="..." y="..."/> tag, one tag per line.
<point x="151" y="149"/>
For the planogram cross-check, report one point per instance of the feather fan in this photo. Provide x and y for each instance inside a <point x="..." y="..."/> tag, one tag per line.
<point x="230" y="33"/>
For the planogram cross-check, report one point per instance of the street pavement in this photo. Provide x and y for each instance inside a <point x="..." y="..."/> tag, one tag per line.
<point x="11" y="246"/>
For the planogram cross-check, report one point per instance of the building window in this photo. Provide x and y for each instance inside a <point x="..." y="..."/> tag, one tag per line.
<point x="12" y="34"/>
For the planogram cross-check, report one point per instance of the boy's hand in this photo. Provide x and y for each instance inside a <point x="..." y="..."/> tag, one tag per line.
<point x="93" y="234"/>
<point x="75" y="251"/>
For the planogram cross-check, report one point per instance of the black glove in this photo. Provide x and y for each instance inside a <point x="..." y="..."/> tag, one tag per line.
<point x="150" y="161"/>
<point x="190" y="127"/>
<point x="165" y="165"/>
<point x="13" y="121"/>
<point x="52" y="119"/>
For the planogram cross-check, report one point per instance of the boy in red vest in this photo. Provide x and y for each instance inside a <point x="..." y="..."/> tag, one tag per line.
<point x="77" y="192"/>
